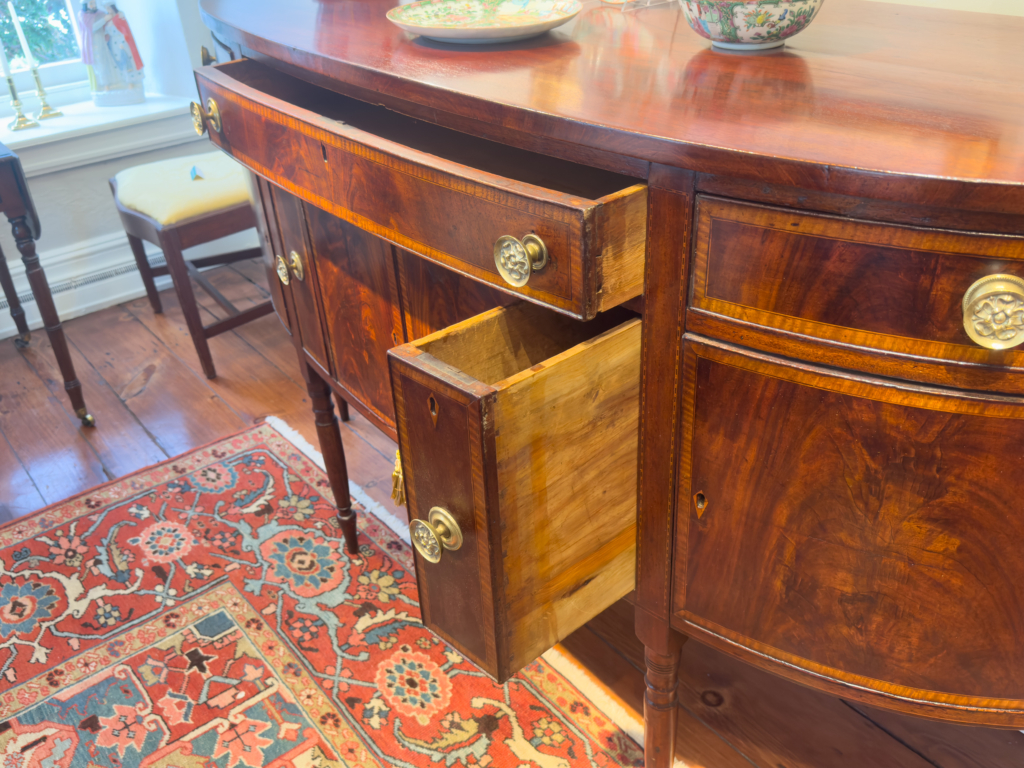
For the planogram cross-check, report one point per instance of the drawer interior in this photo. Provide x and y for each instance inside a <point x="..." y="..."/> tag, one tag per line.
<point x="481" y="154"/>
<point x="497" y="345"/>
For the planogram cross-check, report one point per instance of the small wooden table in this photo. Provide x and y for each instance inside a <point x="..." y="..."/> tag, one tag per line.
<point x="16" y="203"/>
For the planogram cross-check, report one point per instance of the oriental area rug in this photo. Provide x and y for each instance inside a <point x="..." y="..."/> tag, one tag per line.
<point x="204" y="613"/>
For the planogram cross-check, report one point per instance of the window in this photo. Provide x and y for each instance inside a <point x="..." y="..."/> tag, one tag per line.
<point x="49" y="27"/>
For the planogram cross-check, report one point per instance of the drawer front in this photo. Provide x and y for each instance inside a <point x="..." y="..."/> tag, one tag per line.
<point x="435" y="207"/>
<point x="883" y="287"/>
<point x="859" y="535"/>
<point x="522" y="425"/>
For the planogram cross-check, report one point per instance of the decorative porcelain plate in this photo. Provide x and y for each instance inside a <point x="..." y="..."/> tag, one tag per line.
<point x="483" y="21"/>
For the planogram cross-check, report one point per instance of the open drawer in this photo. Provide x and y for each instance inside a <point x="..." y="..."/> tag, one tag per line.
<point x="566" y="235"/>
<point x="518" y="436"/>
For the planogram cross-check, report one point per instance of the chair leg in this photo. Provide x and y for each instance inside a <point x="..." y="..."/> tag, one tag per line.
<point x="48" y="311"/>
<point x="146" y="272"/>
<point x="17" y="311"/>
<point x="329" y="436"/>
<point x="187" y="300"/>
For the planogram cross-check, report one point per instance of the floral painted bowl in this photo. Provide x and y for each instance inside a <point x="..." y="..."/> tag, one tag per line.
<point x="749" y="25"/>
<point x="483" y="21"/>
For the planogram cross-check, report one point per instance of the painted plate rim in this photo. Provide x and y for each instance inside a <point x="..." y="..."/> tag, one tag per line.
<point x="468" y="32"/>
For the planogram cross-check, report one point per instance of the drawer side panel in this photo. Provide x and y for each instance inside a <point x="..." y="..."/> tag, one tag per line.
<point x="566" y="446"/>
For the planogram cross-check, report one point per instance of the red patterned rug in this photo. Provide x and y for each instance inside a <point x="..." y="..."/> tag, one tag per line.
<point x="203" y="612"/>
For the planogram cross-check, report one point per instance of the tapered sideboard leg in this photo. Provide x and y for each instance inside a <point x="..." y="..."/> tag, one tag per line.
<point x="329" y="435"/>
<point x="660" y="708"/>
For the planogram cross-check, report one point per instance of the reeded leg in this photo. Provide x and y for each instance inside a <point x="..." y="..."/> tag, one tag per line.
<point x="48" y="311"/>
<point x="660" y="708"/>
<point x="17" y="311"/>
<point x="329" y="435"/>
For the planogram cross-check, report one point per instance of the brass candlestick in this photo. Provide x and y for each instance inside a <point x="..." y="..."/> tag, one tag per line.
<point x="45" y="110"/>
<point x="20" y="122"/>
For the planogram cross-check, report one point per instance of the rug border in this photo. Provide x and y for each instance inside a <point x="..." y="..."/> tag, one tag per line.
<point x="139" y="471"/>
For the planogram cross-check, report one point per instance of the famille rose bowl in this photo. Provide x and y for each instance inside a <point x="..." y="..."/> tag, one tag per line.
<point x="482" y="21"/>
<point x="749" y="25"/>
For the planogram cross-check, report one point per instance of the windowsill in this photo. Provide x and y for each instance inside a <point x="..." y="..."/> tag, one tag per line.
<point x="88" y="134"/>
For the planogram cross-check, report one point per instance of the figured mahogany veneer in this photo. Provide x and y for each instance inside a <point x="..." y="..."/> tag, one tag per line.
<point x="897" y="290"/>
<point x="865" y="532"/>
<point x="442" y="195"/>
<point x="825" y="463"/>
<point x="536" y="418"/>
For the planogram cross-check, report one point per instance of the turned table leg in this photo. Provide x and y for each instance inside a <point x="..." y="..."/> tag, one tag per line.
<point x="329" y="435"/>
<point x="17" y="311"/>
<point x="662" y="679"/>
<point x="44" y="300"/>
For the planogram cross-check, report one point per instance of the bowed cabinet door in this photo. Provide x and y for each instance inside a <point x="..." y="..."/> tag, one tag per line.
<point x="270" y="241"/>
<point x="291" y="221"/>
<point x="362" y="318"/>
<point x="863" y="536"/>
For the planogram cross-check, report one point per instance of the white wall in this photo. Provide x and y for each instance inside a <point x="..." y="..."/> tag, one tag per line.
<point x="83" y="248"/>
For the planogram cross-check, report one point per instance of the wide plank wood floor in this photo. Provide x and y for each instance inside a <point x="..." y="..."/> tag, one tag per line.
<point x="144" y="386"/>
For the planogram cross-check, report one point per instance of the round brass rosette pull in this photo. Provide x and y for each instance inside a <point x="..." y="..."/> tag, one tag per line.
<point x="282" y="271"/>
<point x="517" y="260"/>
<point x="201" y="119"/>
<point x="994" y="311"/>
<point x="439" y="531"/>
<point x="295" y="262"/>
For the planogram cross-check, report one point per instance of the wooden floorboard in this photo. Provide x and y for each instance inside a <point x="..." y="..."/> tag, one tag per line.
<point x="18" y="494"/>
<point x="120" y="441"/>
<point x="175" y="405"/>
<point x="143" y="383"/>
<point x="43" y="432"/>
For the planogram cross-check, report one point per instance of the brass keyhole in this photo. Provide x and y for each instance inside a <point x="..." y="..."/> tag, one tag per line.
<point x="701" y="502"/>
<point x="432" y="405"/>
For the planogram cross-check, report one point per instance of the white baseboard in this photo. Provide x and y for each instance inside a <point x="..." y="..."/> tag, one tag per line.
<point x="95" y="274"/>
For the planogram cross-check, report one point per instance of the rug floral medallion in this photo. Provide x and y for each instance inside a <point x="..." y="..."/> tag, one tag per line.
<point x="204" y="612"/>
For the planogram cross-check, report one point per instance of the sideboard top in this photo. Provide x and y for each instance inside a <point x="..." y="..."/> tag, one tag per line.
<point x="871" y="95"/>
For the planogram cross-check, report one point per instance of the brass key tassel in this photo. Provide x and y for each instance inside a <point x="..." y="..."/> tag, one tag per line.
<point x="398" y="482"/>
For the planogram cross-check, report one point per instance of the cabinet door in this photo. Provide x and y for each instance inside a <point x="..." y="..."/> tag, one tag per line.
<point x="356" y="272"/>
<point x="291" y="221"/>
<point x="860" y="535"/>
<point x="270" y="241"/>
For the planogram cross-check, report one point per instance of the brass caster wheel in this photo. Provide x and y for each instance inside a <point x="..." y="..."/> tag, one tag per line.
<point x="88" y="420"/>
<point x="23" y="341"/>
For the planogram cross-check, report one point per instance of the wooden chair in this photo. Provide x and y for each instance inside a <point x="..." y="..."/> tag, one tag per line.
<point x="169" y="205"/>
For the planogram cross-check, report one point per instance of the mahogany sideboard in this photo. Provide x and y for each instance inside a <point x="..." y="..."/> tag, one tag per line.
<point x="736" y="332"/>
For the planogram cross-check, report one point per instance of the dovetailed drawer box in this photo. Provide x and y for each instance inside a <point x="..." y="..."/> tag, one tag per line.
<point x="893" y="291"/>
<point x="521" y="425"/>
<point x="575" y="236"/>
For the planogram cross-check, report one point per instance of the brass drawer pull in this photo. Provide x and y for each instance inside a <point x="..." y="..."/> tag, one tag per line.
<point x="442" y="531"/>
<point x="994" y="311"/>
<point x="295" y="262"/>
<point x="517" y="260"/>
<point x="282" y="271"/>
<point x="201" y="119"/>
